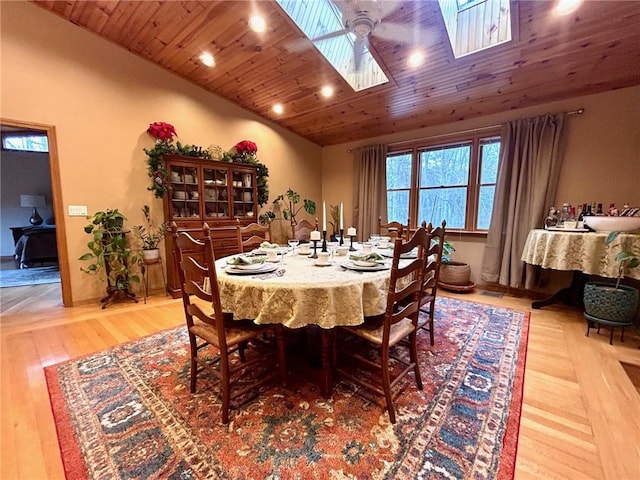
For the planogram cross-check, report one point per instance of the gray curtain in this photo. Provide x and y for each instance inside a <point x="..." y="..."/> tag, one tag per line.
<point x="530" y="160"/>
<point x="369" y="189"/>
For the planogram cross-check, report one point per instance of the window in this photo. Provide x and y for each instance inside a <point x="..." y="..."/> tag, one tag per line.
<point x="454" y="181"/>
<point x="33" y="142"/>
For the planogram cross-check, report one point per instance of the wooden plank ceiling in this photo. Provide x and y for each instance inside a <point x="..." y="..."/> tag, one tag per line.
<point x="595" y="49"/>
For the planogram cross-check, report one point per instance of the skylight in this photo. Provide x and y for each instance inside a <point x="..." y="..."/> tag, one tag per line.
<point x="322" y="17"/>
<point x="475" y="25"/>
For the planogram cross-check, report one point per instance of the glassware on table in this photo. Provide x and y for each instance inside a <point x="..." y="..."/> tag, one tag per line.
<point x="331" y="247"/>
<point x="293" y="243"/>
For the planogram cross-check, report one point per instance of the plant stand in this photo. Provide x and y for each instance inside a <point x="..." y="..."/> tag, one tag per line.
<point x="606" y="305"/>
<point x="144" y="267"/>
<point x="113" y="293"/>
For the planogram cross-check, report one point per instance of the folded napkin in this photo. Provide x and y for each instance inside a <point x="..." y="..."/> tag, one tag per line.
<point x="244" y="260"/>
<point x="372" y="257"/>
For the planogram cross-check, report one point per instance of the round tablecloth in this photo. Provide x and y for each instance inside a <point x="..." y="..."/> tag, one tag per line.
<point x="306" y="294"/>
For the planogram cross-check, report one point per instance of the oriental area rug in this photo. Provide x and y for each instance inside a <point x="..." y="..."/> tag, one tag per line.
<point x="127" y="412"/>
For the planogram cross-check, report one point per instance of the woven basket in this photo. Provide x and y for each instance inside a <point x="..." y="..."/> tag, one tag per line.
<point x="455" y="273"/>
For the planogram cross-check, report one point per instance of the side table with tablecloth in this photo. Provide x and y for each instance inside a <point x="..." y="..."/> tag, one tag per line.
<point x="582" y="253"/>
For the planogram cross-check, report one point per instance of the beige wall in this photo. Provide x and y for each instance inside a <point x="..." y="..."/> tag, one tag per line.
<point x="601" y="162"/>
<point x="101" y="99"/>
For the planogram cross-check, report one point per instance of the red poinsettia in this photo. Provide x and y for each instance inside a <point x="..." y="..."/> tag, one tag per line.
<point x="246" y="147"/>
<point x="162" y="131"/>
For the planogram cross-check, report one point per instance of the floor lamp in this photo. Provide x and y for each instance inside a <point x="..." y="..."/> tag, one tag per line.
<point x="33" y="201"/>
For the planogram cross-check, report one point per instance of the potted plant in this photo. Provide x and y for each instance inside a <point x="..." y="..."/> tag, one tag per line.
<point x="453" y="272"/>
<point x="287" y="204"/>
<point x="612" y="303"/>
<point x="149" y="236"/>
<point x="334" y="213"/>
<point x="110" y="253"/>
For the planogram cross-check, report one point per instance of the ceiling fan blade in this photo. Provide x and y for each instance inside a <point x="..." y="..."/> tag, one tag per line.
<point x="299" y="45"/>
<point x="376" y="10"/>
<point x="358" y="51"/>
<point x="330" y="35"/>
<point x="405" y="34"/>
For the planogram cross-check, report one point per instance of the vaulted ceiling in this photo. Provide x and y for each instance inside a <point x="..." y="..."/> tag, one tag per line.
<point x="595" y="49"/>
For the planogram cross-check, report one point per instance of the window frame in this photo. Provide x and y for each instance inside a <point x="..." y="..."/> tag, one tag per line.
<point x="21" y="134"/>
<point x="475" y="140"/>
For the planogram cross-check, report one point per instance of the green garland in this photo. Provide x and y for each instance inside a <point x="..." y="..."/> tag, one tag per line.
<point x="160" y="177"/>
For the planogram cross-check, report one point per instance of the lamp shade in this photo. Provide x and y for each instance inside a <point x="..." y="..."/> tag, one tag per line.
<point x="32" y="201"/>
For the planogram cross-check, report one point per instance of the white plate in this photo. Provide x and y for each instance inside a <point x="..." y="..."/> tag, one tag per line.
<point x="253" y="266"/>
<point x="317" y="264"/>
<point x="351" y="266"/>
<point x="264" y="268"/>
<point x="389" y="254"/>
<point x="363" y="263"/>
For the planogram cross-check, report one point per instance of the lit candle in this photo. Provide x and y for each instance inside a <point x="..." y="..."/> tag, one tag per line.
<point x="324" y="216"/>
<point x="351" y="232"/>
<point x="314" y="235"/>
<point x="341" y="216"/>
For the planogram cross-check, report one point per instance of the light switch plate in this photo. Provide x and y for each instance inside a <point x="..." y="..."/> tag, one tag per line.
<point x="77" y="210"/>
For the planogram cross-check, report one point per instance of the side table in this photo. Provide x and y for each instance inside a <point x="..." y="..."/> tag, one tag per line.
<point x="144" y="266"/>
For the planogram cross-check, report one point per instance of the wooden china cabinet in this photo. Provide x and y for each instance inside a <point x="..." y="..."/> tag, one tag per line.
<point x="218" y="193"/>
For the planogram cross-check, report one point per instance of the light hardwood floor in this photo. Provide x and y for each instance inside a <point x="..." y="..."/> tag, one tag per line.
<point x="580" y="416"/>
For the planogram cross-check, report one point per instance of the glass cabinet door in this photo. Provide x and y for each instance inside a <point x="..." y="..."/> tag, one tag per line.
<point x="185" y="196"/>
<point x="243" y="192"/>
<point x="216" y="192"/>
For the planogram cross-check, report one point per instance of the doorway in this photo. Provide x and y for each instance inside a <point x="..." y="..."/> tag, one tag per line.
<point x="56" y="197"/>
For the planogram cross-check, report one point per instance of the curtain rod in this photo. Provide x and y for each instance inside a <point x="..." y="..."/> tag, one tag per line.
<point x="578" y="111"/>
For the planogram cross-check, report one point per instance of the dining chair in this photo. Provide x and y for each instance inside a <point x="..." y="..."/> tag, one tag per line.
<point x="302" y="230"/>
<point x="393" y="229"/>
<point x="208" y="325"/>
<point x="431" y="273"/>
<point x="252" y="235"/>
<point x="396" y="328"/>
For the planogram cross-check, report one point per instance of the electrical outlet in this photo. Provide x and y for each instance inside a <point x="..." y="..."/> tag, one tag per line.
<point x="77" y="210"/>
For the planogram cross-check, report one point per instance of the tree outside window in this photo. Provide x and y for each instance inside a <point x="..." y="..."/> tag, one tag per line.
<point x="453" y="182"/>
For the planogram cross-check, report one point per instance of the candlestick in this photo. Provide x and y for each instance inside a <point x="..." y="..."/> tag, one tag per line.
<point x="351" y="232"/>
<point x="314" y="235"/>
<point x="324" y="241"/>
<point x="351" y="249"/>
<point x="341" y="237"/>
<point x="324" y="216"/>
<point x="341" y="216"/>
<point x="315" y="245"/>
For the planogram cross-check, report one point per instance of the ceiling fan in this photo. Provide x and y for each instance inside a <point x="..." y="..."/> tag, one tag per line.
<point x="363" y="18"/>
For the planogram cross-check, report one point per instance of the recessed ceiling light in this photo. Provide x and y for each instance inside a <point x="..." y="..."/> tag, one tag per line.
<point x="207" y="59"/>
<point x="327" y="91"/>
<point x="278" y="108"/>
<point x="257" y="24"/>
<point x="415" y="59"/>
<point x="565" y="7"/>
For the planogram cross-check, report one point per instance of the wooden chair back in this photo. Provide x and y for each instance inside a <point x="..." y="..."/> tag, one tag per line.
<point x="430" y="276"/>
<point x="302" y="230"/>
<point x="399" y="324"/>
<point x="393" y="229"/>
<point x="252" y="236"/>
<point x="195" y="263"/>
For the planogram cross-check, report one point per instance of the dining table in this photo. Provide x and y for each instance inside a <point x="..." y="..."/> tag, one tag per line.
<point x="297" y="291"/>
